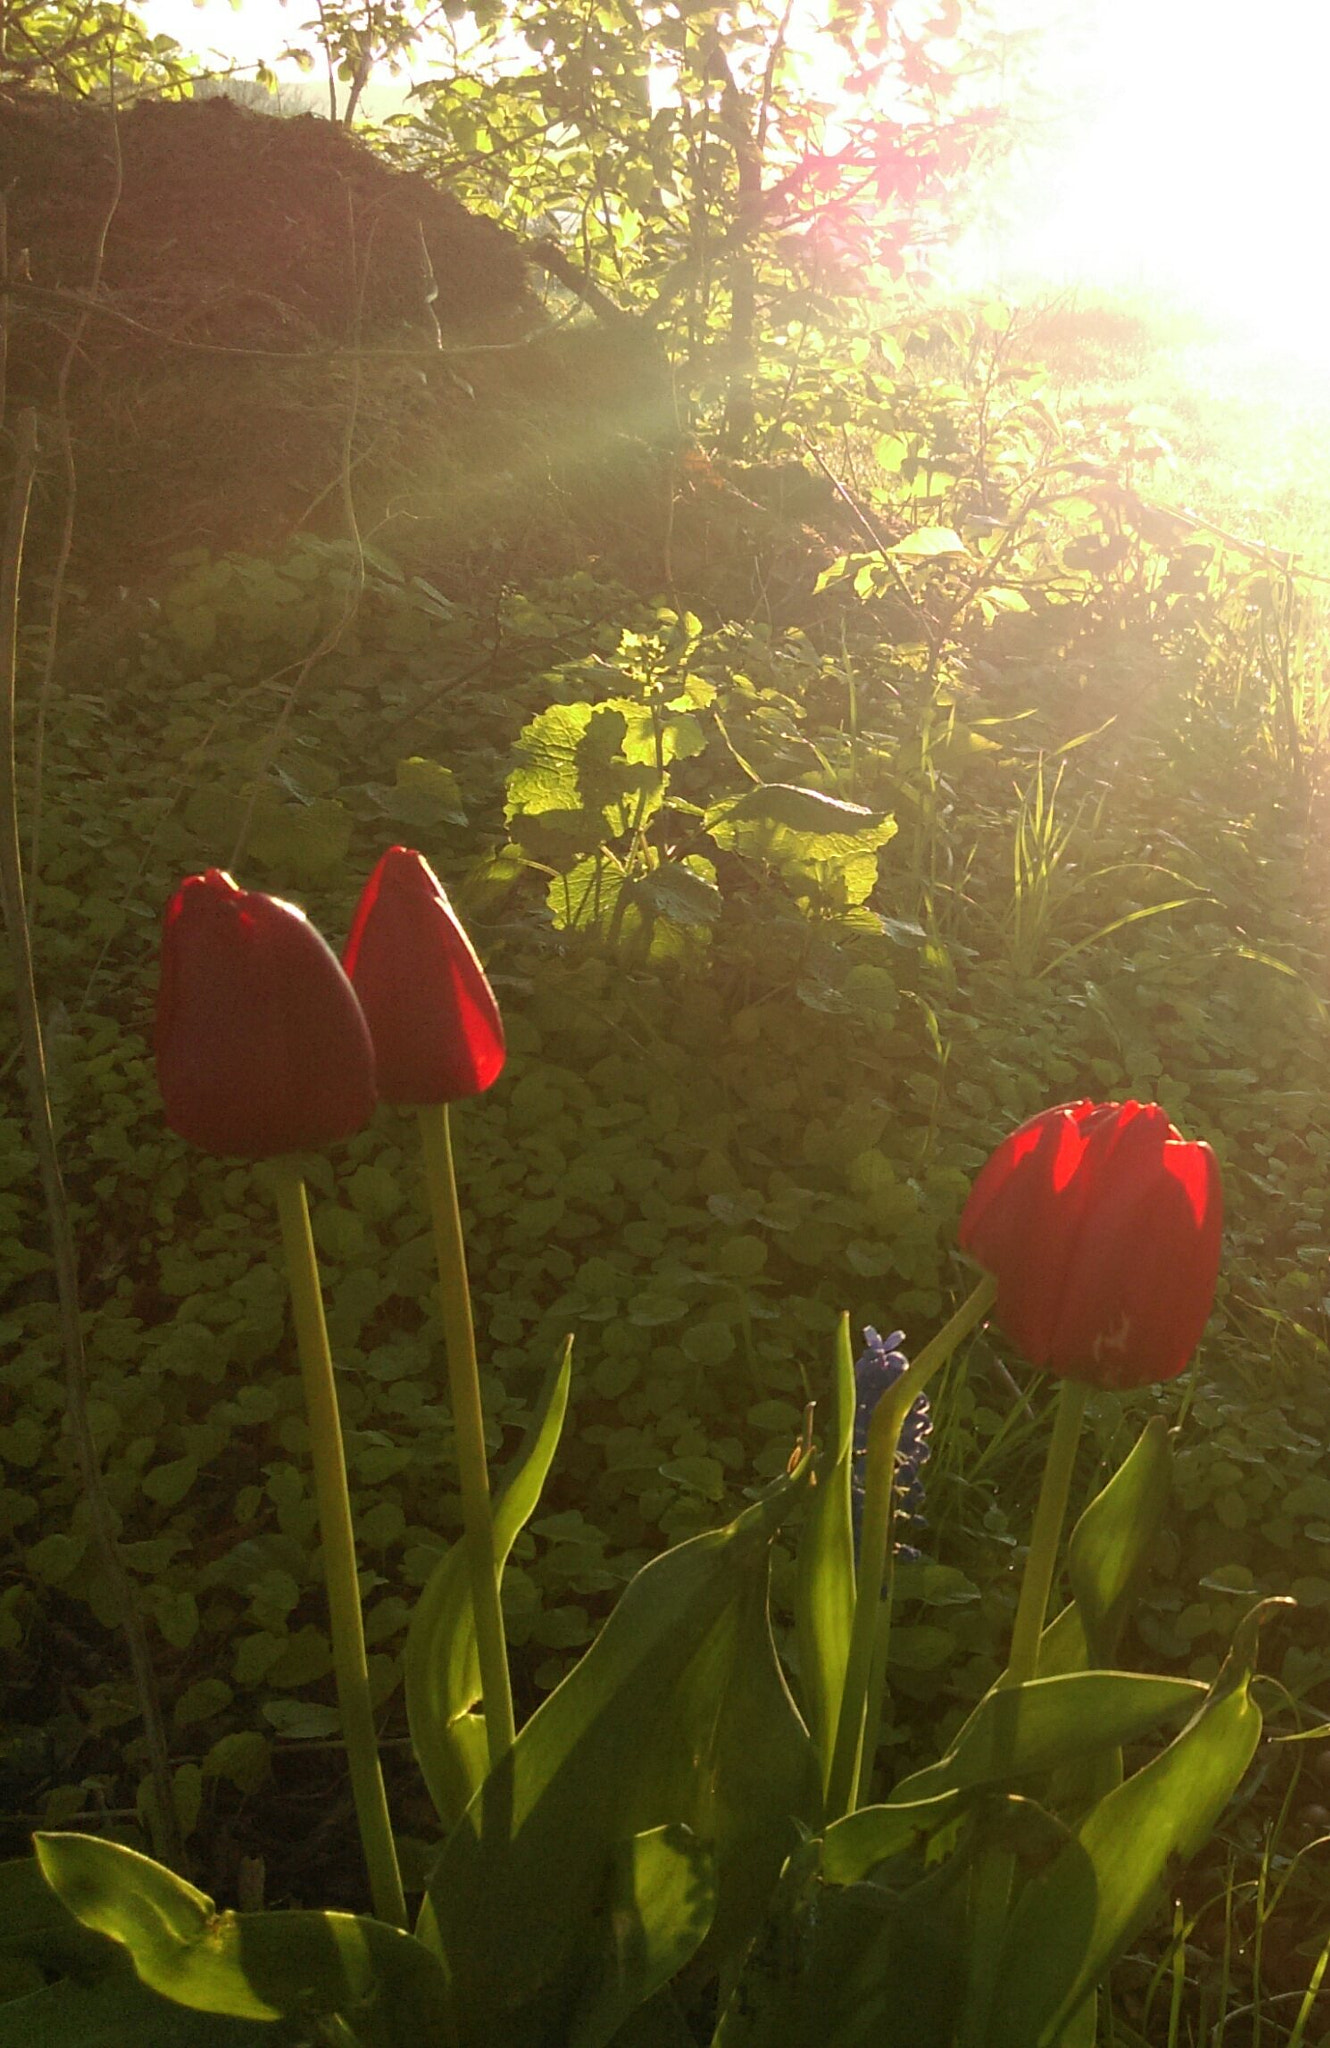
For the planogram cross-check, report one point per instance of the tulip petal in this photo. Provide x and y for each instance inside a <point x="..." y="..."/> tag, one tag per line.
<point x="435" y="1024"/>
<point x="1022" y="1219"/>
<point x="1102" y="1227"/>
<point x="260" y="1043"/>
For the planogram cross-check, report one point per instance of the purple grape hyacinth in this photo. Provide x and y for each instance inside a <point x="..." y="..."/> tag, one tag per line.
<point x="880" y="1367"/>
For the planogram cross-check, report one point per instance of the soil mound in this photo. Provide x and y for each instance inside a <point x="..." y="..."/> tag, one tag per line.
<point x="242" y="258"/>
<point x="230" y="226"/>
<point x="238" y="327"/>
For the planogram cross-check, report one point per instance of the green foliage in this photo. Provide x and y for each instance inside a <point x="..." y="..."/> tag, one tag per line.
<point x="83" y="50"/>
<point x="1087" y="1903"/>
<point x="824" y="1592"/>
<point x="442" y="1667"/>
<point x="382" y="1983"/>
<point x="684" y="175"/>
<point x="551" y="1914"/>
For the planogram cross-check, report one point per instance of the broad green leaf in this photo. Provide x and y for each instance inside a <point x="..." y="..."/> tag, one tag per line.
<point x="442" y="1669"/>
<point x="751" y="822"/>
<point x="656" y="735"/>
<point x="546" y="810"/>
<point x="662" y="1896"/>
<point x="591" y="771"/>
<point x="424" y="793"/>
<point x="766" y="1776"/>
<point x="1022" y="1731"/>
<point x="871" y="1835"/>
<point x="682" y="890"/>
<point x="1072" y="1921"/>
<point x="1108" y="1554"/>
<point x="857" y="1966"/>
<point x="820" y="845"/>
<point x="636" y="1737"/>
<point x="116" y="2011"/>
<point x="35" y="1925"/>
<point x="1111" y="1543"/>
<point x="304" y="840"/>
<point x="1062" y="1645"/>
<point x="658" y="2024"/>
<point x="585" y="896"/>
<point x="255" y="1966"/>
<point x="927" y="542"/>
<point x="824" y="1585"/>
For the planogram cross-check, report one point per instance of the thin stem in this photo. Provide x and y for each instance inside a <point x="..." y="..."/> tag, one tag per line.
<point x="877" y="1682"/>
<point x="339" y="1550"/>
<point x="879" y="1487"/>
<point x="1046" y="1534"/>
<point x="163" y="1822"/>
<point x="469" y="1425"/>
<point x="995" y="1866"/>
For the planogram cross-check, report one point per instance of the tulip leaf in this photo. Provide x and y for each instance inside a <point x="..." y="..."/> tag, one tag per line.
<point x="874" y="1834"/>
<point x="116" y="2009"/>
<point x="97" y="2001"/>
<point x="255" y="1966"/>
<point x="662" y="1895"/>
<point x="824" y="1585"/>
<point x="1062" y="1646"/>
<point x="857" y="1966"/>
<point x="767" y="1777"/>
<point x="657" y="2024"/>
<point x="36" y="1926"/>
<point x="1073" y="1920"/>
<point x="1111" y="1543"/>
<point x="441" y="1663"/>
<point x="638" y="1736"/>
<point x="1022" y="1731"/>
<point x="1109" y="1550"/>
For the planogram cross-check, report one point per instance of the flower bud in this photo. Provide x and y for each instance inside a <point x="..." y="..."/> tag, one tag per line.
<point x="435" y="1024"/>
<point x="261" y="1046"/>
<point x="1101" y="1225"/>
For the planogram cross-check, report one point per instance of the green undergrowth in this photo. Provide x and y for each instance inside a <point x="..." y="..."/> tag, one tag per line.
<point x="789" y="925"/>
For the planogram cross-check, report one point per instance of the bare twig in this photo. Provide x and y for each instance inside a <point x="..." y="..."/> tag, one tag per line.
<point x="339" y="627"/>
<point x="66" y="446"/>
<point x="164" y="1827"/>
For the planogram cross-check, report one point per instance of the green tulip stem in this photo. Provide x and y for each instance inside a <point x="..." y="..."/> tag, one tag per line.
<point x="1046" y="1534"/>
<point x="877" y="1678"/>
<point x="339" y="1550"/>
<point x="469" y="1425"/>
<point x="874" y="1545"/>
<point x="995" y="1866"/>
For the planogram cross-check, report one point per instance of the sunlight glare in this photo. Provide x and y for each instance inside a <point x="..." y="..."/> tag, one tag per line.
<point x="1188" y="161"/>
<point x="1175" y="149"/>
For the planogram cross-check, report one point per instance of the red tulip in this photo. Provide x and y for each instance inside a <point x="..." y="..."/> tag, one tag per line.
<point x="436" y="1026"/>
<point x="261" y="1045"/>
<point x="1101" y="1224"/>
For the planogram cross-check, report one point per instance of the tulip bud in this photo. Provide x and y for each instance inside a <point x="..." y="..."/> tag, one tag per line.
<point x="1101" y="1225"/>
<point x="435" y="1024"/>
<point x="261" y="1045"/>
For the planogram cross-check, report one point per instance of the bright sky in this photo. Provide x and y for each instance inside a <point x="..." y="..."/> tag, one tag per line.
<point x="1186" y="154"/>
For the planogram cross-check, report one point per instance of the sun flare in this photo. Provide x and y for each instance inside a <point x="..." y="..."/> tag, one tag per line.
<point x="1184" y="157"/>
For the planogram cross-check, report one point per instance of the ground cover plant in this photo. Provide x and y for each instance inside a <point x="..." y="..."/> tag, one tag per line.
<point x="933" y="770"/>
